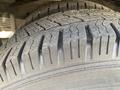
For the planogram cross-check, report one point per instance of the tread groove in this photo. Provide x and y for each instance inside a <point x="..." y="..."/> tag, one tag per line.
<point x="13" y="68"/>
<point x="30" y="61"/>
<point x="40" y="47"/>
<point x="40" y="26"/>
<point x="62" y="44"/>
<point x="30" y="56"/>
<point x="108" y="44"/>
<point x="71" y="54"/>
<point x="27" y="32"/>
<point x="89" y="40"/>
<point x="1" y="78"/>
<point x="50" y="55"/>
<point x="100" y="45"/>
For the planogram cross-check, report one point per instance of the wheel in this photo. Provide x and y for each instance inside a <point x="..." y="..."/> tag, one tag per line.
<point x="70" y="50"/>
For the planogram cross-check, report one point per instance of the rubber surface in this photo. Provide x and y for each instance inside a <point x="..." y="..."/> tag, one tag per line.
<point x="62" y="6"/>
<point x="81" y="46"/>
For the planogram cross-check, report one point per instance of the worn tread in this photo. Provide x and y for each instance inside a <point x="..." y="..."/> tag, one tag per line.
<point x="61" y="45"/>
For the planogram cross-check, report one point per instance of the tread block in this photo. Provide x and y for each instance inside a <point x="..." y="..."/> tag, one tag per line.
<point x="11" y="41"/>
<point x="104" y="36"/>
<point x="91" y="18"/>
<point x="46" y="50"/>
<point x="109" y="17"/>
<point x="2" y="65"/>
<point x="36" y="27"/>
<point x="74" y="42"/>
<point x="30" y="29"/>
<point x="21" y="33"/>
<point x="54" y="47"/>
<point x="13" y="64"/>
<point x="103" y="40"/>
<point x="56" y="16"/>
<point x="35" y="52"/>
<point x="26" y="59"/>
<point x="82" y="42"/>
<point x="116" y="27"/>
<point x="8" y="63"/>
<point x="16" y="59"/>
<point x="112" y="38"/>
<point x="47" y="24"/>
<point x="95" y="40"/>
<point x="67" y="20"/>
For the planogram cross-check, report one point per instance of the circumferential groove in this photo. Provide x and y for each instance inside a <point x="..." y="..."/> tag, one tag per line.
<point x="71" y="54"/>
<point x="60" y="40"/>
<point x="108" y="44"/>
<point x="40" y="49"/>
<point x="60" y="46"/>
<point x="89" y="40"/>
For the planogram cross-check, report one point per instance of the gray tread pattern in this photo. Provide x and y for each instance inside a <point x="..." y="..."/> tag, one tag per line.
<point x="59" y="46"/>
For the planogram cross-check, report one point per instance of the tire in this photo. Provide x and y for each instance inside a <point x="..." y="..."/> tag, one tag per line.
<point x="71" y="50"/>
